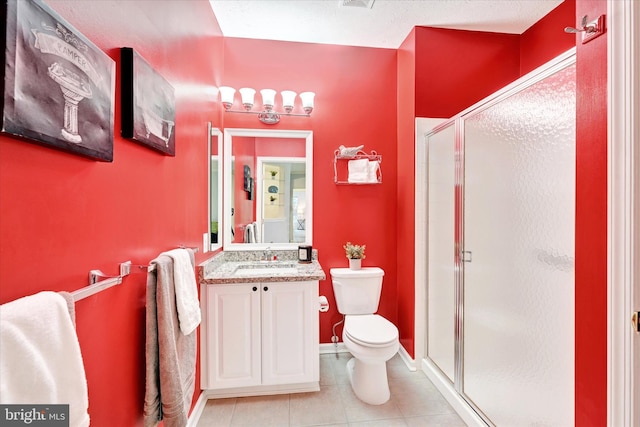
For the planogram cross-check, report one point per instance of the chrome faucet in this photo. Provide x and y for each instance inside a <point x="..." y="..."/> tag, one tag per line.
<point x="266" y="255"/>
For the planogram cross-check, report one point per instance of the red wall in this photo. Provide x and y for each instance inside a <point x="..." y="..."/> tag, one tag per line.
<point x="546" y="39"/>
<point x="355" y="104"/>
<point x="455" y="69"/>
<point x="62" y="215"/>
<point x="405" y="191"/>
<point x="591" y="224"/>
<point x="280" y="147"/>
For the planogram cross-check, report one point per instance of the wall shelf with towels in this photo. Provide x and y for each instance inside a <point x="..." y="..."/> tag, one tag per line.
<point x="358" y="169"/>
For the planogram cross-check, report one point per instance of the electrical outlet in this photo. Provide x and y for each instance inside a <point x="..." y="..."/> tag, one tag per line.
<point x="205" y="243"/>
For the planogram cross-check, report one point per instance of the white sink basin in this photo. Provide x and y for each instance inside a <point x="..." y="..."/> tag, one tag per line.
<point x="266" y="271"/>
<point x="262" y="269"/>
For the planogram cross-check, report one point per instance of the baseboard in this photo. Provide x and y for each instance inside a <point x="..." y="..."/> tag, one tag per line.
<point x="407" y="359"/>
<point x="196" y="413"/>
<point x="262" y="390"/>
<point x="444" y="386"/>
<point x="340" y="348"/>
<point x="333" y="348"/>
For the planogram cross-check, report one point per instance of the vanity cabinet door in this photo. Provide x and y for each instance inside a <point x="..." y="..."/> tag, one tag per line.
<point x="290" y="337"/>
<point x="233" y="338"/>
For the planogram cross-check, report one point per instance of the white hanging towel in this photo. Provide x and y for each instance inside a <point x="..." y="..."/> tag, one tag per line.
<point x="358" y="170"/>
<point x="40" y="359"/>
<point x="251" y="233"/>
<point x="186" y="290"/>
<point x="256" y="233"/>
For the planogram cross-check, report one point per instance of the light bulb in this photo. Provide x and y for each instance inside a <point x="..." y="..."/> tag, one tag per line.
<point x="247" y="97"/>
<point x="307" y="101"/>
<point x="226" y="96"/>
<point x="268" y="98"/>
<point x="288" y="100"/>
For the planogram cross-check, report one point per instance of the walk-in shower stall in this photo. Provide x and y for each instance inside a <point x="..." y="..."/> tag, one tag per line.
<point x="500" y="233"/>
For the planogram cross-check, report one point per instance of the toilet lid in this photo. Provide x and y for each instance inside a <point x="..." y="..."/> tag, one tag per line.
<point x="370" y="329"/>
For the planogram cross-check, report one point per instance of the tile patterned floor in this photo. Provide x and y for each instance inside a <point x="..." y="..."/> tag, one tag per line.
<point x="415" y="402"/>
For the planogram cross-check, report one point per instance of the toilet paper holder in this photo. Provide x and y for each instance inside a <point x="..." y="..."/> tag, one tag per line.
<point x="323" y="304"/>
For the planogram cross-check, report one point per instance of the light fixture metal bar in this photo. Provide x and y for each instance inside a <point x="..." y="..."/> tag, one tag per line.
<point x="264" y="112"/>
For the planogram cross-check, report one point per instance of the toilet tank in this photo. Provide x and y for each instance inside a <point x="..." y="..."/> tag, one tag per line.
<point x="357" y="291"/>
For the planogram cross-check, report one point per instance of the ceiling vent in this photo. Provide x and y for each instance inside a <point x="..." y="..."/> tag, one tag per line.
<point x="365" y="4"/>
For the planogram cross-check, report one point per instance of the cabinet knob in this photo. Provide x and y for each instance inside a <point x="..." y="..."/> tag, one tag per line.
<point x="265" y="288"/>
<point x="255" y="288"/>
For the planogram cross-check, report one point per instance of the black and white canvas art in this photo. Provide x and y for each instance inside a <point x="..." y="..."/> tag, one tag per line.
<point x="148" y="104"/>
<point x="58" y="86"/>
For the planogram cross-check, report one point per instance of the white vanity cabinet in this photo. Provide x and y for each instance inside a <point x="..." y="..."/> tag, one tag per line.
<point x="260" y="338"/>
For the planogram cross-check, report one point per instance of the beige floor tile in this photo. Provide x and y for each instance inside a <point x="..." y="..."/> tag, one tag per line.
<point x="357" y="411"/>
<point x="339" y="366"/>
<point x="447" y="420"/>
<point x="217" y="413"/>
<point x="323" y="407"/>
<point x="414" y="402"/>
<point x="397" y="422"/>
<point x="327" y="376"/>
<point x="396" y="368"/>
<point x="433" y="406"/>
<point x="263" y="411"/>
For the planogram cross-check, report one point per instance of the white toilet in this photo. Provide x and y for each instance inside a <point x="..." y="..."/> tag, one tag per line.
<point x="371" y="339"/>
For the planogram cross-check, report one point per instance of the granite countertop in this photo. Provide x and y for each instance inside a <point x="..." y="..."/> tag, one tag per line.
<point x="219" y="270"/>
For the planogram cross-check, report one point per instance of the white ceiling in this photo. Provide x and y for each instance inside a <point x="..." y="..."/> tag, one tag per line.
<point x="386" y="24"/>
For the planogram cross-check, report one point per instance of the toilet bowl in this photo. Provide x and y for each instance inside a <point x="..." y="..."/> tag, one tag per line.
<point x="372" y="340"/>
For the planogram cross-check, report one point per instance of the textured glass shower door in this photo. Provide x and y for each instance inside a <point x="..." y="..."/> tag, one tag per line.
<point x="441" y="294"/>
<point x="518" y="238"/>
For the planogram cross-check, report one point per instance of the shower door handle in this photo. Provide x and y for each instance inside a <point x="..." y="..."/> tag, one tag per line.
<point x="465" y="256"/>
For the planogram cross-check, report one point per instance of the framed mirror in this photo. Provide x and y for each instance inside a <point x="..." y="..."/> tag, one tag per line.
<point x="215" y="187"/>
<point x="268" y="186"/>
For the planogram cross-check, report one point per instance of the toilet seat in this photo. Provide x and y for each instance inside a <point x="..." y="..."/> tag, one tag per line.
<point x="370" y="330"/>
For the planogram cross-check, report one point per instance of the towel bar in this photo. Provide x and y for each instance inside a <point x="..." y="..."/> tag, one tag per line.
<point x="96" y="286"/>
<point x="152" y="267"/>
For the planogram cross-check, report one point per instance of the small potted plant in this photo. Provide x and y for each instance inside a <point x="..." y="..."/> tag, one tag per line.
<point x="355" y="254"/>
<point x="273" y="173"/>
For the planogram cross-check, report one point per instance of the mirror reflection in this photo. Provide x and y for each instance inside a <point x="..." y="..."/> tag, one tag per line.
<point x="268" y="175"/>
<point x="215" y="188"/>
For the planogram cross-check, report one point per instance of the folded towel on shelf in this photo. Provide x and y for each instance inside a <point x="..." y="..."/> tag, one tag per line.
<point x="358" y="170"/>
<point x="187" y="300"/>
<point x="40" y="358"/>
<point x="374" y="167"/>
<point x="170" y="355"/>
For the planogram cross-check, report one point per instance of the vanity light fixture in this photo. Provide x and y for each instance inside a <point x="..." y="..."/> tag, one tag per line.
<point x="267" y="115"/>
